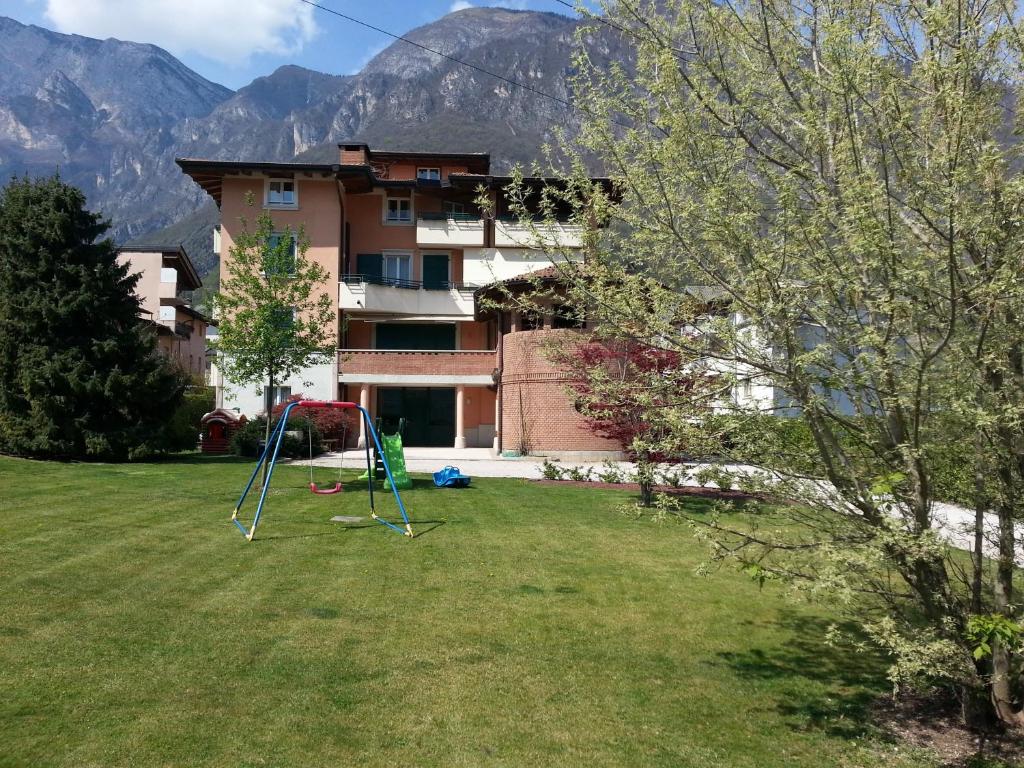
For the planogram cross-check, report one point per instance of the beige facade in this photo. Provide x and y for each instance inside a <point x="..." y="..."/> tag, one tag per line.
<point x="405" y="246"/>
<point x="165" y="274"/>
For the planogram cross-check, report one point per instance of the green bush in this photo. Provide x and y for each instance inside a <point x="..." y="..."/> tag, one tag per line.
<point x="788" y="441"/>
<point x="245" y="442"/>
<point x="950" y="458"/>
<point x="182" y="432"/>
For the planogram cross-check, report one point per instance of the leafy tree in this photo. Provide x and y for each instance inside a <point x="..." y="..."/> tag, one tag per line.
<point x="629" y="392"/>
<point x="80" y="374"/>
<point x="274" y="315"/>
<point x="842" y="180"/>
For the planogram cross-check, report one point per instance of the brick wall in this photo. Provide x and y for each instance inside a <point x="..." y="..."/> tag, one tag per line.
<point x="537" y="413"/>
<point x="419" y="363"/>
<point x="354" y="156"/>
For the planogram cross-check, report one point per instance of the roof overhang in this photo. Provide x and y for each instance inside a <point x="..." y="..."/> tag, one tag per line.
<point x="178" y="257"/>
<point x="476" y="162"/>
<point x="210" y="174"/>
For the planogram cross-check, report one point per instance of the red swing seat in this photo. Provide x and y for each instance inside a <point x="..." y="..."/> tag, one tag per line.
<point x="324" y="491"/>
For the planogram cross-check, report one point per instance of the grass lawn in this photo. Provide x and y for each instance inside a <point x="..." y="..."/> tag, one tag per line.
<point x="527" y="625"/>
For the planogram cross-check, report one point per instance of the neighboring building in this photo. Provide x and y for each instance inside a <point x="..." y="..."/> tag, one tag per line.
<point x="406" y="247"/>
<point x="165" y="274"/>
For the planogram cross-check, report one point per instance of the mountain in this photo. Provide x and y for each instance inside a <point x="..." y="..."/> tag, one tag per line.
<point x="65" y="103"/>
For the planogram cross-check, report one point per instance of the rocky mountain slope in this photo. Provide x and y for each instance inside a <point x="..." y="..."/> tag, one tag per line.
<point x="66" y="103"/>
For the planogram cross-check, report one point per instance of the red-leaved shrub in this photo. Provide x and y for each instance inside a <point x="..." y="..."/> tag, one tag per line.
<point x="332" y="422"/>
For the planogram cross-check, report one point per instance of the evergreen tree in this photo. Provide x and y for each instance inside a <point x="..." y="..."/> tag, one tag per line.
<point x="80" y="373"/>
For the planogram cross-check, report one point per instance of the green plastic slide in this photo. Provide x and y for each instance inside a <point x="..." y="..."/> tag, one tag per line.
<point x="395" y="455"/>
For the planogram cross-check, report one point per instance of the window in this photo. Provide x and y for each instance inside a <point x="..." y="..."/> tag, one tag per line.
<point x="428" y="174"/>
<point x="278" y="395"/>
<point x="281" y="193"/>
<point x="530" y="320"/>
<point x="282" y="318"/>
<point x="280" y="262"/>
<point x="566" y="317"/>
<point x="399" y="210"/>
<point x="450" y="207"/>
<point x="397" y="267"/>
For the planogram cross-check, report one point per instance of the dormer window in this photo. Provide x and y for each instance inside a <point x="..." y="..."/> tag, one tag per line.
<point x="281" y="193"/>
<point x="428" y="174"/>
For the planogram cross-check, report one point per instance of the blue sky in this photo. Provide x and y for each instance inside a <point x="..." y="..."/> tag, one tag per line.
<point x="234" y="41"/>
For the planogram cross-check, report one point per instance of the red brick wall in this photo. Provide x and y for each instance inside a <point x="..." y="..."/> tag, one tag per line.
<point x="537" y="412"/>
<point x="353" y="156"/>
<point x="419" y="363"/>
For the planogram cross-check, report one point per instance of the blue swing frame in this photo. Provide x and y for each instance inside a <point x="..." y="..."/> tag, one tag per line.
<point x="273" y="448"/>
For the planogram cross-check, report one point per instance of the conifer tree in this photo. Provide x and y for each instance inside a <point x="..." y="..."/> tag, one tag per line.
<point x="80" y="373"/>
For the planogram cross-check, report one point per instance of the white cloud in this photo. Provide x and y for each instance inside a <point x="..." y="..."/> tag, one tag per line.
<point x="460" y="5"/>
<point x="227" y="31"/>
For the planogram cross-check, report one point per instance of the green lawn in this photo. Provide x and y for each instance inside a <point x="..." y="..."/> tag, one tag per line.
<point x="527" y="625"/>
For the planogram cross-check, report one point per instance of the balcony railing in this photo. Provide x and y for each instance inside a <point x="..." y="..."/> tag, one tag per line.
<point x="513" y="233"/>
<point x="446" y="216"/>
<point x="371" y="293"/>
<point x="394" y="282"/>
<point x="449" y="229"/>
<point x="417" y="362"/>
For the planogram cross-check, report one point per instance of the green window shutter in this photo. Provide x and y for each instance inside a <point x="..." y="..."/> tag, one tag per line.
<point x="370" y="265"/>
<point x="435" y="270"/>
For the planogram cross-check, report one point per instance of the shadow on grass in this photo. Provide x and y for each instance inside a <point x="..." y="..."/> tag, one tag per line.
<point x="336" y="529"/>
<point x="195" y="457"/>
<point x="848" y="680"/>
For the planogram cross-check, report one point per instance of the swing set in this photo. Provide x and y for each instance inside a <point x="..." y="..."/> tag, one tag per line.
<point x="273" y="448"/>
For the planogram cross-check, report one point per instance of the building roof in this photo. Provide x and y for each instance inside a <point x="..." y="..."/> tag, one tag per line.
<point x="195" y="313"/>
<point x="547" y="276"/>
<point x="209" y="174"/>
<point x="175" y="254"/>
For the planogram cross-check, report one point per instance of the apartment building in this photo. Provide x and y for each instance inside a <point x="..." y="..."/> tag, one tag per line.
<point x="408" y="252"/>
<point x="166" y="276"/>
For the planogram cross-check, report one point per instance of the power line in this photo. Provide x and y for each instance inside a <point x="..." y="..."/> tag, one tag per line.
<point x="677" y="52"/>
<point x="404" y="39"/>
<point x="487" y="72"/>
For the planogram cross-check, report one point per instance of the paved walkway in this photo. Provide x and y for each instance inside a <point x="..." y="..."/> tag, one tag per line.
<point x="475" y="462"/>
<point x="955" y="523"/>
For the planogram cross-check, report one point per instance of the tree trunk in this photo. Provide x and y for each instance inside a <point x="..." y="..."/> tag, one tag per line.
<point x="645" y="478"/>
<point x="1002" y="667"/>
<point x="268" y="402"/>
<point x="978" y="556"/>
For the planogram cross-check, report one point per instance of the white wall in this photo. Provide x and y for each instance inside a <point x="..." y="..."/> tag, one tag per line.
<point x="482" y="266"/>
<point x="316" y="382"/>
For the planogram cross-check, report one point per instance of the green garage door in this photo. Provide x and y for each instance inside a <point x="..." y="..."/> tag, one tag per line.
<point x="429" y="414"/>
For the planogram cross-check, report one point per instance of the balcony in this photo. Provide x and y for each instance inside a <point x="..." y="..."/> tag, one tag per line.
<point x="560" y="234"/>
<point x="369" y="293"/>
<point x="417" y="366"/>
<point x="449" y="230"/>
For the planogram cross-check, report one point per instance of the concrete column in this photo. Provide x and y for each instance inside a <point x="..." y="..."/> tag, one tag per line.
<point x="460" y="416"/>
<point x="364" y="401"/>
<point x="497" y="423"/>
